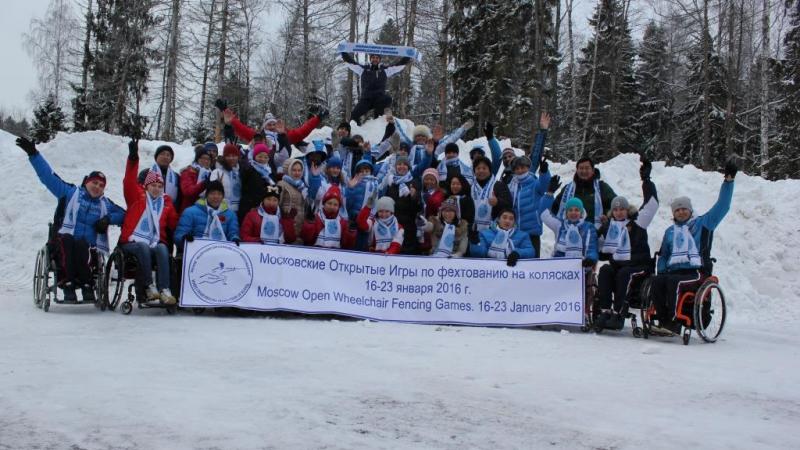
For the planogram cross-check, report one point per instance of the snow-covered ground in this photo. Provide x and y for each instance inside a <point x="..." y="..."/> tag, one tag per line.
<point x="78" y="378"/>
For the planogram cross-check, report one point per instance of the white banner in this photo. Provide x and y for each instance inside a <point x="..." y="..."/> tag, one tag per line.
<point x="380" y="49"/>
<point x="420" y="289"/>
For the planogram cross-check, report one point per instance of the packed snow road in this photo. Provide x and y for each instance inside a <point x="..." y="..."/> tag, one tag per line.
<point x="76" y="378"/>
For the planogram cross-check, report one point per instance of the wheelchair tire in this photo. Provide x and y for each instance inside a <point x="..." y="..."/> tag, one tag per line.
<point x="38" y="275"/>
<point x="100" y="291"/>
<point x="709" y="311"/>
<point x="127" y="307"/>
<point x="646" y="302"/>
<point x="114" y="279"/>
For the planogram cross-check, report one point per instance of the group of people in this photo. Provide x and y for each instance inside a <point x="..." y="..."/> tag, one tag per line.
<point x="410" y="193"/>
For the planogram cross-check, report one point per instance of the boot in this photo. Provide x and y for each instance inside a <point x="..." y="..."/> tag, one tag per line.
<point x="87" y="293"/>
<point x="615" y="322"/>
<point x="167" y="298"/>
<point x="69" y="293"/>
<point x="152" y="292"/>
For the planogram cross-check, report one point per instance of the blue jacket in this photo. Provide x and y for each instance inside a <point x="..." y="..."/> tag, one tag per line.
<point x="531" y="191"/>
<point x="702" y="229"/>
<point x="521" y="240"/>
<point x="555" y="223"/>
<point x="195" y="218"/>
<point x="87" y="216"/>
<point x="355" y="198"/>
<point x="497" y="155"/>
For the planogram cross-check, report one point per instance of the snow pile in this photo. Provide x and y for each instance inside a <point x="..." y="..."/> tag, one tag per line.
<point x="756" y="245"/>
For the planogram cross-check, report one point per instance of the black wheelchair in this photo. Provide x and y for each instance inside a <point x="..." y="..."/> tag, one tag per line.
<point x="632" y="307"/>
<point x="120" y="276"/>
<point x="45" y="283"/>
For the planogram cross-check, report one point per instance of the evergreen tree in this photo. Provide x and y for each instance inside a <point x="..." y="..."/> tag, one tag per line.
<point x="655" y="124"/>
<point x="785" y="162"/>
<point x="48" y="120"/>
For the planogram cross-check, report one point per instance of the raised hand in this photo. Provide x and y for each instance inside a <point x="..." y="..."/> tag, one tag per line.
<point x="468" y="125"/>
<point x="555" y="183"/>
<point x="221" y="104"/>
<point x="731" y="169"/>
<point x="227" y="116"/>
<point x="430" y="146"/>
<point x="488" y="130"/>
<point x="438" y="132"/>
<point x="645" y="169"/>
<point x="280" y="126"/>
<point x="544" y="121"/>
<point x="543" y="166"/>
<point x="27" y="145"/>
<point x="133" y="149"/>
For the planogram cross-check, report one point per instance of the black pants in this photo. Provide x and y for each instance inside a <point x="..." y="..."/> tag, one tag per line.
<point x="665" y="290"/>
<point x="377" y="103"/>
<point x="615" y="282"/>
<point x="536" y="242"/>
<point x="73" y="261"/>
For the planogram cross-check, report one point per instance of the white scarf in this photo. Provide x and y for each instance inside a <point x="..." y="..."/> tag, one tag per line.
<point x="331" y="234"/>
<point x="384" y="231"/>
<point x="202" y="172"/>
<point x="684" y="248"/>
<point x="402" y="183"/>
<point x="513" y="186"/>
<point x="464" y="169"/>
<point x="232" y="183"/>
<point x="298" y="184"/>
<point x="214" y="228"/>
<point x="569" y="192"/>
<point x="271" y="230"/>
<point x="447" y="240"/>
<point x="570" y="242"/>
<point x="148" y="230"/>
<point x="264" y="170"/>
<point x="502" y="244"/>
<point x="170" y="182"/>
<point x="483" y="210"/>
<point x="617" y="242"/>
<point x="71" y="217"/>
<point x="370" y="186"/>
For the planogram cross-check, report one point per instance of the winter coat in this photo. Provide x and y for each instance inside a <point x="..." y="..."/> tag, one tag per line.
<point x="586" y="229"/>
<point x="294" y="135"/>
<point x="253" y="188"/>
<point x="528" y="198"/>
<point x="143" y="174"/>
<point x="584" y="190"/>
<point x="190" y="188"/>
<point x="406" y="210"/>
<point x="292" y="199"/>
<point x="63" y="191"/>
<point x="135" y="200"/>
<point x="366" y="225"/>
<point x="251" y="227"/>
<point x="462" y="239"/>
<point x="702" y="229"/>
<point x="433" y="201"/>
<point x="373" y="78"/>
<point x="311" y="229"/>
<point x="638" y="222"/>
<point x="503" y="195"/>
<point x="194" y="220"/>
<point x="521" y="240"/>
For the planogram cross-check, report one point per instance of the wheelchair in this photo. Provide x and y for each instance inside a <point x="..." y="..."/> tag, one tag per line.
<point x="632" y="308"/>
<point x="120" y="276"/>
<point x="45" y="283"/>
<point x="590" y="291"/>
<point x="700" y="307"/>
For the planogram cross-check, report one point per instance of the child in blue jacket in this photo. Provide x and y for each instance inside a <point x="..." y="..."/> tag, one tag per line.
<point x="503" y="240"/>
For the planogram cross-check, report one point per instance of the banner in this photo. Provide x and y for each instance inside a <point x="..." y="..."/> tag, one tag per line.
<point x="419" y="289"/>
<point x="380" y="49"/>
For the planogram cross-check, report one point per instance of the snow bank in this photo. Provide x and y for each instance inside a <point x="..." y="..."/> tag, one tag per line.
<point x="756" y="245"/>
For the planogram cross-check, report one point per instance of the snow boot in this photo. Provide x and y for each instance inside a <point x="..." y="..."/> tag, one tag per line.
<point x="69" y="293"/>
<point x="615" y="322"/>
<point x="152" y="293"/>
<point x="167" y="297"/>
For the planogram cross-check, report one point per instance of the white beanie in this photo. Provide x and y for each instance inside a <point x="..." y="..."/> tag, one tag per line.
<point x="385" y="204"/>
<point x="422" y="130"/>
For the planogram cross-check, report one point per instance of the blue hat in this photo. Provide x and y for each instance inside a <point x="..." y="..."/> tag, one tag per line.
<point x="334" y="161"/>
<point x="574" y="202"/>
<point x="319" y="145"/>
<point x="365" y="162"/>
<point x="211" y="147"/>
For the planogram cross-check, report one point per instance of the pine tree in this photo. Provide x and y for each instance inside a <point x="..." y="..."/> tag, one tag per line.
<point x="785" y="162"/>
<point x="655" y="124"/>
<point x="48" y="120"/>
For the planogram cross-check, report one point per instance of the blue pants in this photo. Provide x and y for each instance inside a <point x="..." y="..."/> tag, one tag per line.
<point x="145" y="256"/>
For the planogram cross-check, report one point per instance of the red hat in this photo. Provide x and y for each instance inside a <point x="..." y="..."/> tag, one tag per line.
<point x="230" y="150"/>
<point x="333" y="192"/>
<point x="95" y="175"/>
<point x="260" y="148"/>
<point x="153" y="177"/>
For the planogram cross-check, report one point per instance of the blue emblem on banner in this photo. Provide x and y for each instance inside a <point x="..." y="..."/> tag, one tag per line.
<point x="220" y="273"/>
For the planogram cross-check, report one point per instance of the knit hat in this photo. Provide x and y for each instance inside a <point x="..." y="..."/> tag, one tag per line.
<point x="164" y="148"/>
<point x="211" y="147"/>
<point x="404" y="146"/>
<point x="481" y="160"/>
<point x="574" y="202"/>
<point x="422" y="130"/>
<point x="451" y="148"/>
<point x="431" y="172"/>
<point x="385" y="204"/>
<point x="230" y="150"/>
<point x="215" y="186"/>
<point x="153" y="176"/>
<point x="521" y="161"/>
<point x="620" y="202"/>
<point x="260" y="148"/>
<point x="334" y="161"/>
<point x="95" y="175"/>
<point x="332" y="192"/>
<point x="681" y="202"/>
<point x="449" y="204"/>
<point x="272" y="191"/>
<point x="402" y="160"/>
<point x="269" y="118"/>
<point x="200" y="150"/>
<point x="365" y="162"/>
<point x="344" y="125"/>
<point x="477" y="149"/>
<point x="508" y="150"/>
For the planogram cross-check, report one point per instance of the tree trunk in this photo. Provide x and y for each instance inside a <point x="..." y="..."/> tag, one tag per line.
<point x="221" y="65"/>
<point x="445" y="79"/>
<point x="591" y="88"/>
<point x="348" y="99"/>
<point x="172" y="69"/>
<point x="574" y="88"/>
<point x="706" y="150"/>
<point x="405" y="86"/>
<point x="306" y="55"/>
<point x="764" y="89"/>
<point x="80" y="122"/>
<point x="204" y="89"/>
<point x="730" y="115"/>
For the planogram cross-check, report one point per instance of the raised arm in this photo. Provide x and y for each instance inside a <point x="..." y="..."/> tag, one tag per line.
<point x="538" y="142"/>
<point x="352" y="64"/>
<point x="454" y="136"/>
<point x="51" y="181"/>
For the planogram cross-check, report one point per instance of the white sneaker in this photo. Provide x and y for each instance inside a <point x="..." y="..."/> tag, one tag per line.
<point x="152" y="292"/>
<point x="167" y="298"/>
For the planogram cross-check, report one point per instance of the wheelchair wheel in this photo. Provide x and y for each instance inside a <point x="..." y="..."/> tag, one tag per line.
<point x="100" y="290"/>
<point x="127" y="307"/>
<point x="590" y="292"/>
<point x="709" y="311"/>
<point x="114" y="279"/>
<point x="646" y="303"/>
<point x="38" y="276"/>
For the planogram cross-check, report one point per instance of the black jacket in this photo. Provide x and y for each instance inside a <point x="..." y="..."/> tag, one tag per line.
<point x="373" y="78"/>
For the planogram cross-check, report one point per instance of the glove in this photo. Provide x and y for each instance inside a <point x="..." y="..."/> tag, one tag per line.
<point x="647" y="167"/>
<point x="323" y="113"/>
<point x="221" y="104"/>
<point x="309" y="213"/>
<point x="133" y="149"/>
<point x="488" y="130"/>
<point x="371" y="200"/>
<point x="543" y="166"/>
<point x="27" y="145"/>
<point x="236" y="241"/>
<point x="101" y="226"/>
<point x="511" y="261"/>
<point x="228" y="134"/>
<point x="468" y="125"/>
<point x="555" y="183"/>
<point x="731" y="169"/>
<point x="474" y="238"/>
<point x="589" y="262"/>
<point x="189" y="238"/>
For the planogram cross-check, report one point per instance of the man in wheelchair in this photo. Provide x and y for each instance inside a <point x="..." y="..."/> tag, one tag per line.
<point x="685" y="255"/>
<point x="150" y="219"/>
<point x="82" y="219"/>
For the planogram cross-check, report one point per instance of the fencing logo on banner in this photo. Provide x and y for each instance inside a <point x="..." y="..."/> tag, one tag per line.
<point x="220" y="274"/>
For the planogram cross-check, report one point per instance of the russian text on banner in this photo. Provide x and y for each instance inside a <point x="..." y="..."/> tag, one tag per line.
<point x="379" y="287"/>
<point x="380" y="49"/>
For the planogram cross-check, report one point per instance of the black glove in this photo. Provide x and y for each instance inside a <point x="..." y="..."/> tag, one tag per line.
<point x="543" y="166"/>
<point x="474" y="237"/>
<point x="309" y="213"/>
<point x="189" y="238"/>
<point x="323" y="113"/>
<point x="731" y="169"/>
<point x="228" y="134"/>
<point x="488" y="130"/>
<point x="133" y="149"/>
<point x="221" y="104"/>
<point x="647" y="167"/>
<point x="27" y="145"/>
<point x="101" y="226"/>
<point x="589" y="262"/>
<point x="511" y="261"/>
<point x="236" y="241"/>
<point x="555" y="183"/>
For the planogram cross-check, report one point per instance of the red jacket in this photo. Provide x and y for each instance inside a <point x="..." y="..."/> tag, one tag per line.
<point x="251" y="227"/>
<point x="190" y="190"/>
<point x="365" y="224"/>
<point x="295" y="135"/>
<point x="310" y="232"/>
<point x="137" y="204"/>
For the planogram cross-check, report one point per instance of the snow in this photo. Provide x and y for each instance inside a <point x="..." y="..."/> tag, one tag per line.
<point x="78" y="378"/>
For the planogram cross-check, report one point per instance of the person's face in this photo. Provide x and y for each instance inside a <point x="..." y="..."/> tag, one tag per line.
<point x="585" y="170"/>
<point x="420" y="139"/>
<point x="364" y="170"/>
<point x="374" y="60"/>
<point x="95" y="188"/>
<point x="506" y="220"/>
<point x="331" y="206"/>
<point x="682" y="214"/>
<point x="214" y="199"/>
<point x="213" y="154"/>
<point x="482" y="172"/>
<point x="449" y="215"/>
<point x="429" y="183"/>
<point x="521" y="170"/>
<point x="619" y="213"/>
<point x="402" y="151"/>
<point x="270" y="202"/>
<point x="296" y="171"/>
<point x="204" y="161"/>
<point x="342" y="132"/>
<point x="334" y="172"/>
<point x="573" y="214"/>
<point x="507" y="158"/>
<point x="315" y="158"/>
<point x="232" y="160"/>
<point x="359" y="141"/>
<point x="384" y="214"/>
<point x="272" y="126"/>
<point x="164" y="159"/>
<point x="474" y="155"/>
<point x="401" y="169"/>
<point x="262" y="158"/>
<point x="155" y="189"/>
<point x="450" y="155"/>
<point x="455" y="186"/>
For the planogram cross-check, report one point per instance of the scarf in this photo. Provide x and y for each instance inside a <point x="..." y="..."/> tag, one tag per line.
<point x="465" y="170"/>
<point x="232" y="183"/>
<point x="148" y="230"/>
<point x="202" y="172"/>
<point x="569" y="192"/>
<point x="214" y="230"/>
<point x="513" y="186"/>
<point x="502" y="244"/>
<point x="402" y="183"/>
<point x="570" y="242"/>
<point x="617" y="242"/>
<point x="384" y="231"/>
<point x="331" y="234"/>
<point x="483" y="210"/>
<point x="80" y="200"/>
<point x="264" y="170"/>
<point x="271" y="231"/>
<point x="298" y="184"/>
<point x="170" y="181"/>
<point x="684" y="248"/>
<point x="370" y="186"/>
<point x="447" y="241"/>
